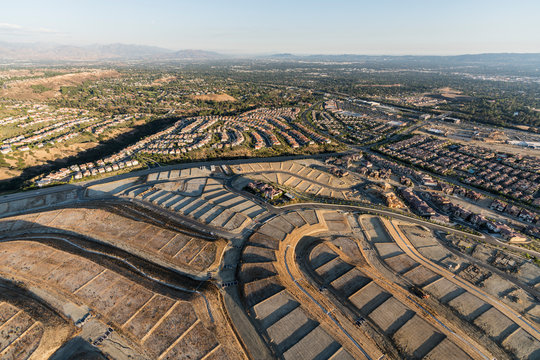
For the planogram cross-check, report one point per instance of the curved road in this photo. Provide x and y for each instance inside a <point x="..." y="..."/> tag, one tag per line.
<point x="406" y="246"/>
<point x="328" y="313"/>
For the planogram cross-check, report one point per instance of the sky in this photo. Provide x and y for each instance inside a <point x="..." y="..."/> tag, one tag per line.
<point x="388" y="27"/>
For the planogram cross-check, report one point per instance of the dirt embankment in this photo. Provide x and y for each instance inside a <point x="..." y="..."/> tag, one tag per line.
<point x="49" y="87"/>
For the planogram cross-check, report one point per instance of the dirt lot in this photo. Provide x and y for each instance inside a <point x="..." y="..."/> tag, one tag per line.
<point x="450" y="93"/>
<point x="213" y="97"/>
<point x="158" y="322"/>
<point x="189" y="253"/>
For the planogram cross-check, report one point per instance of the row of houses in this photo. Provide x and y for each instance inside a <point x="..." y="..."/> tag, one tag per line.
<point x="418" y="205"/>
<point x="477" y="220"/>
<point x="516" y="211"/>
<point x="66" y="174"/>
<point x="482" y="168"/>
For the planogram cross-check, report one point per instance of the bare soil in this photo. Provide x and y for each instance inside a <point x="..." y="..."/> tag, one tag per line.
<point x="213" y="97"/>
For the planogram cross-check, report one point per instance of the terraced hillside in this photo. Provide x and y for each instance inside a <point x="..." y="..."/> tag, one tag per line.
<point x="23" y="336"/>
<point x="190" y="192"/>
<point x="523" y="299"/>
<point x="154" y="322"/>
<point x="463" y="300"/>
<point x="182" y="249"/>
<point x="179" y="263"/>
<point x="413" y="336"/>
<point x="301" y="178"/>
<point x="291" y="328"/>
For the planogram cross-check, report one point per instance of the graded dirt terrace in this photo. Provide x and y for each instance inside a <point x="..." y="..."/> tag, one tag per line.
<point x="295" y="175"/>
<point x="157" y="325"/>
<point x="191" y="193"/>
<point x="30" y="330"/>
<point x="449" y="291"/>
<point x="388" y="316"/>
<point x="181" y="266"/>
<point x="187" y="253"/>
<point x="292" y="327"/>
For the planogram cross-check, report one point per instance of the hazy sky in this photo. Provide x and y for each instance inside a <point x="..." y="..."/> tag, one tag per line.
<point x="269" y="26"/>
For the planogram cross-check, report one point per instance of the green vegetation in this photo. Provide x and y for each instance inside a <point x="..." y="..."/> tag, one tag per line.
<point x="40" y="88"/>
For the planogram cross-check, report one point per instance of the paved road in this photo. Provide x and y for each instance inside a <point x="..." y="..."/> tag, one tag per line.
<point x="354" y="208"/>
<point x="372" y="259"/>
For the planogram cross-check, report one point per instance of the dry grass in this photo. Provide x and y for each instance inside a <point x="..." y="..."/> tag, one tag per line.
<point x="450" y="93"/>
<point x="213" y="97"/>
<point x="25" y="89"/>
<point x="8" y="174"/>
<point x="164" y="80"/>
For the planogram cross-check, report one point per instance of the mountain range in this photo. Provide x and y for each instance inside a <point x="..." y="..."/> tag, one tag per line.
<point x="46" y="52"/>
<point x="111" y="52"/>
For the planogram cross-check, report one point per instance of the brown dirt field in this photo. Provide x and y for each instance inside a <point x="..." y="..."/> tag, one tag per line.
<point x="133" y="301"/>
<point x="155" y="320"/>
<point x="14" y="328"/>
<point x="163" y="80"/>
<point x="137" y="236"/>
<point x="194" y="345"/>
<point x="213" y="97"/>
<point x="181" y="318"/>
<point x="148" y="315"/>
<point x="19" y="73"/>
<point x="23" y="90"/>
<point x="174" y="246"/>
<point x="25" y="345"/>
<point x="448" y="91"/>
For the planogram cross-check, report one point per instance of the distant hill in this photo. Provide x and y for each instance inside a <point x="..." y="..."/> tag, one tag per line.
<point x="110" y="52"/>
<point x="495" y="63"/>
<point x="54" y="52"/>
<point x="484" y="58"/>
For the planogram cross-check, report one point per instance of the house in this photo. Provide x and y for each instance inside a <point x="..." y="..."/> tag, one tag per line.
<point x="494" y="227"/>
<point x="512" y="210"/>
<point x="446" y="188"/>
<point x="441" y="201"/>
<point x="512" y="236"/>
<point x="478" y="220"/>
<point x="266" y="190"/>
<point x="461" y="213"/>
<point x="498" y="205"/>
<point x="527" y="215"/>
<point x="473" y="195"/>
<point x="442" y="219"/>
<point x="428" y="181"/>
